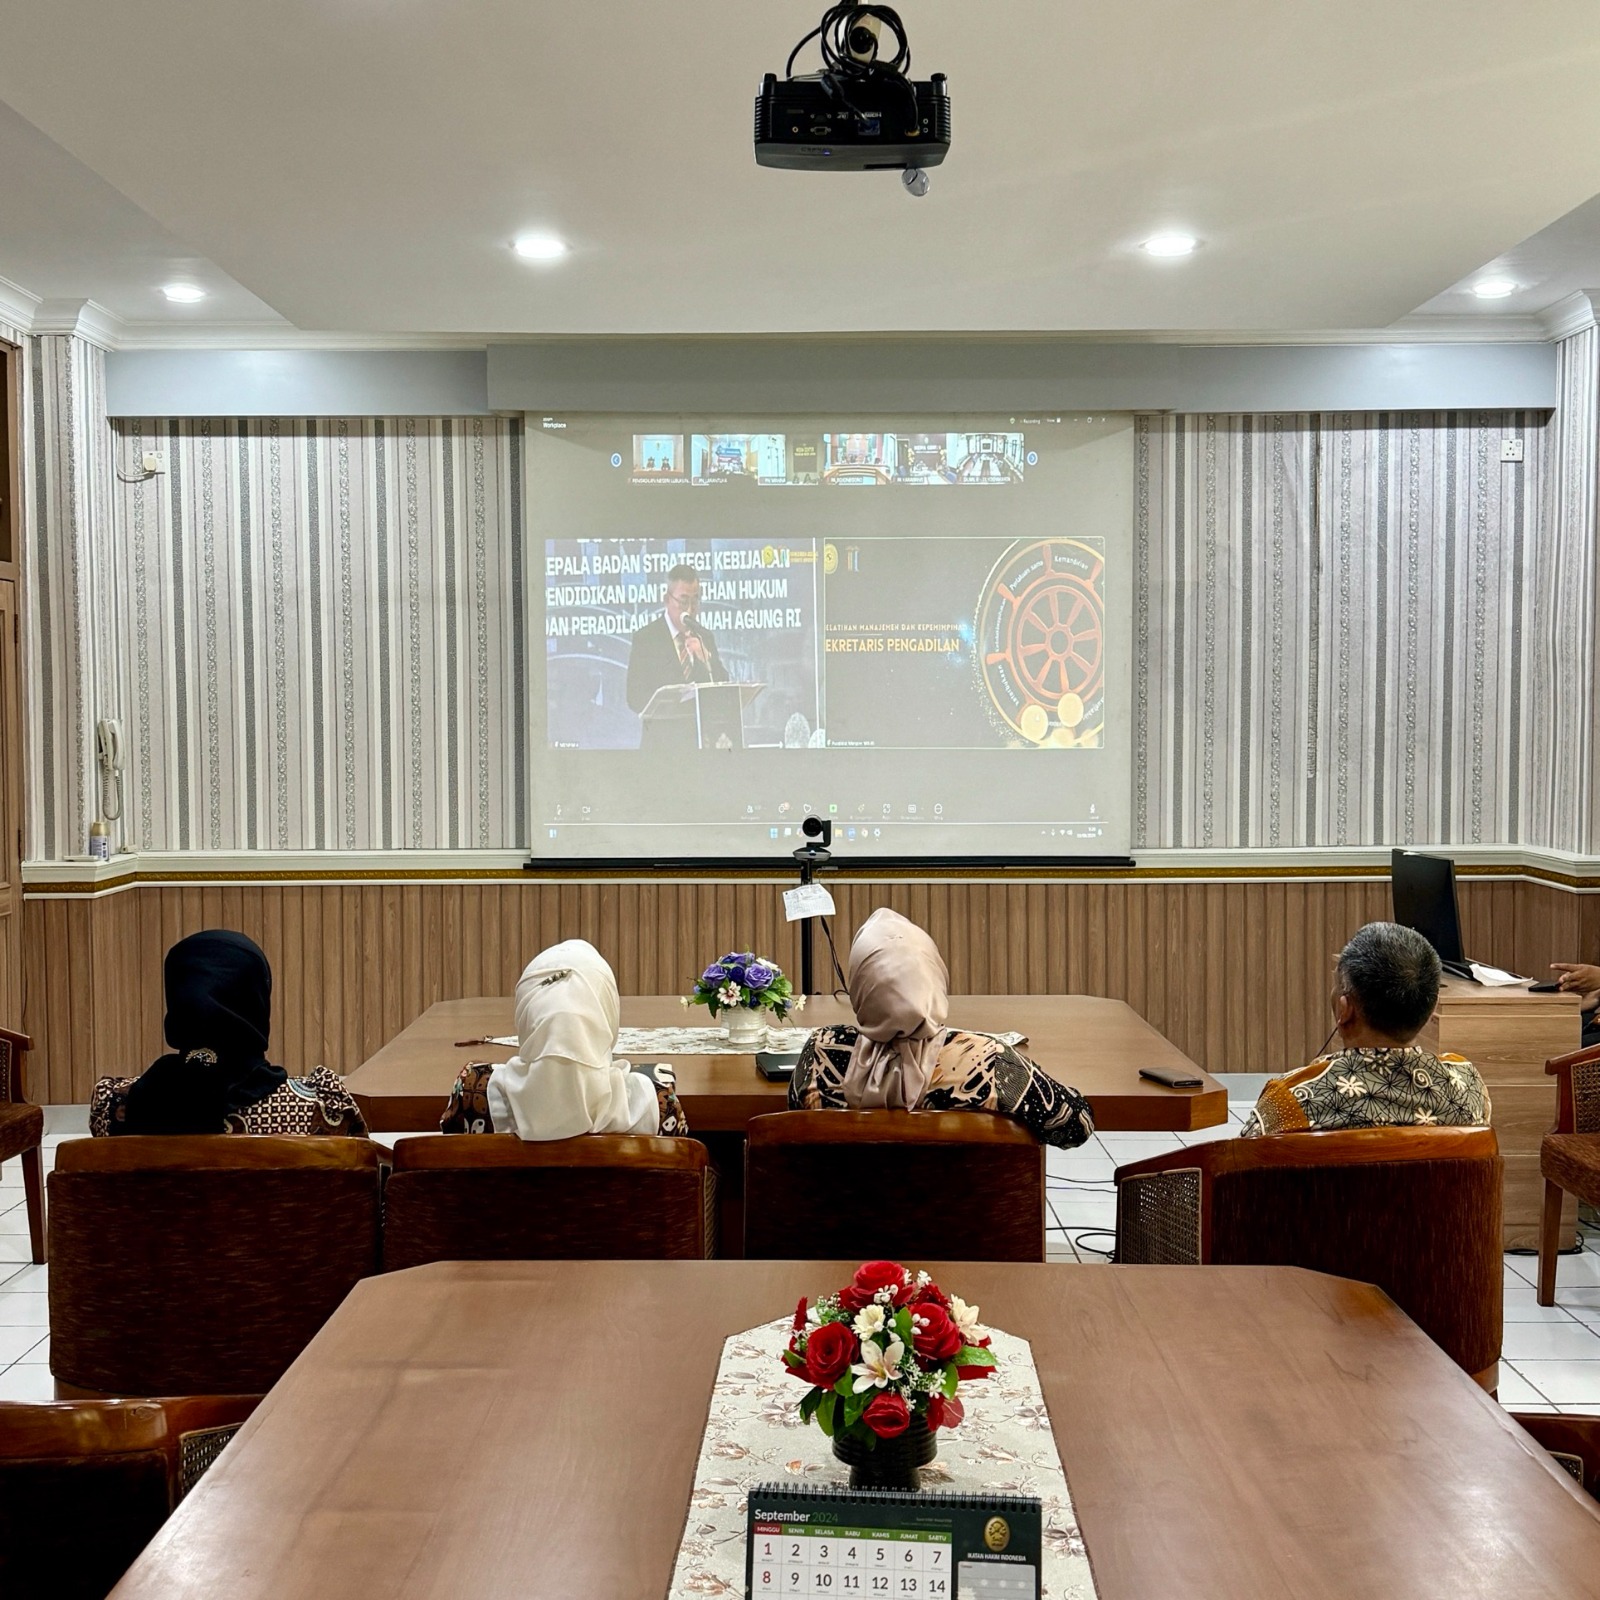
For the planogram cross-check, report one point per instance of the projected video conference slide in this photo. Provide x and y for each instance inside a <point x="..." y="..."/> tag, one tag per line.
<point x="916" y="627"/>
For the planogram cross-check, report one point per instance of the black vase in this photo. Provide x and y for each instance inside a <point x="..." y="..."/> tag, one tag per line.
<point x="892" y="1463"/>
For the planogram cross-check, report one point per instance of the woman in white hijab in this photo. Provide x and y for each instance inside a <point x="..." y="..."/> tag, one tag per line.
<point x="901" y="1056"/>
<point x="564" y="1081"/>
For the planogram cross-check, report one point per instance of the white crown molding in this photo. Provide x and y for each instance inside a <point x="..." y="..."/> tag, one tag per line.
<point x="80" y="319"/>
<point x="1464" y="328"/>
<point x="1571" y="315"/>
<point x="280" y="336"/>
<point x="41" y="879"/>
<point x="18" y="306"/>
<point x="89" y="320"/>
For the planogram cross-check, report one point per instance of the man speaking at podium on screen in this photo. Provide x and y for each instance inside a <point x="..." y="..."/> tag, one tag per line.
<point x="673" y="649"/>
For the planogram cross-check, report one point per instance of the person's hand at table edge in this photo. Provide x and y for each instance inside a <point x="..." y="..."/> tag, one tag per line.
<point x="1578" y="977"/>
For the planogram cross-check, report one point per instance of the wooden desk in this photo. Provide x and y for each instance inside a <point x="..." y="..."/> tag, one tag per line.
<point x="1508" y="1035"/>
<point x="496" y="1429"/>
<point x="1097" y="1046"/>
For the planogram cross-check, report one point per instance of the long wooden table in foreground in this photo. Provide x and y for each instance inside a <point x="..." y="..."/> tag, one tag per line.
<point x="489" y="1430"/>
<point x="1097" y="1046"/>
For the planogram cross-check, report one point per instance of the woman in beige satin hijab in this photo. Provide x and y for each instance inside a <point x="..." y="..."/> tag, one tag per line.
<point x="900" y="1055"/>
<point x="900" y="991"/>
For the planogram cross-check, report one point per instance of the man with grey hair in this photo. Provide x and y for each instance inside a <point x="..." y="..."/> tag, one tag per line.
<point x="1386" y="985"/>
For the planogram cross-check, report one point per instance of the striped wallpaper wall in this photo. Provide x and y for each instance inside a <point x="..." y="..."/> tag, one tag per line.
<point x="326" y="634"/>
<point x="1350" y="630"/>
<point x="1563" y="613"/>
<point x="72" y="594"/>
<point x="1355" y="629"/>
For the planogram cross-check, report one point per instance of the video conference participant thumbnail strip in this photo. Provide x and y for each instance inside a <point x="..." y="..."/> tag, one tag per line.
<point x="856" y="459"/>
<point x="625" y="618"/>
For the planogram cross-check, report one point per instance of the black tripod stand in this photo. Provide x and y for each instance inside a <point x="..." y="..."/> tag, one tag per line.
<point x="808" y="858"/>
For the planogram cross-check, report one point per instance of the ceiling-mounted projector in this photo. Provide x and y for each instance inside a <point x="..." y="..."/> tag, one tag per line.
<point x="862" y="112"/>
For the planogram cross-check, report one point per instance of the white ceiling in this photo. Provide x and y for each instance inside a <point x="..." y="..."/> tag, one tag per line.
<point x="67" y="235"/>
<point x="1557" y="261"/>
<point x="362" y="165"/>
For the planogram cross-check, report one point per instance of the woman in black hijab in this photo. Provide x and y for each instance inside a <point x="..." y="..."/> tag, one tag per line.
<point x="217" y="1078"/>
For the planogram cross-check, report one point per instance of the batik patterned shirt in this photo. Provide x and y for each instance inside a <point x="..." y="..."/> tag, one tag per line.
<point x="316" y="1103"/>
<point x="973" y="1073"/>
<point x="467" y="1109"/>
<point x="1373" y="1088"/>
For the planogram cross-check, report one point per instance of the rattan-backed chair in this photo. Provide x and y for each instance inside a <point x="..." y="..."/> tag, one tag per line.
<point x="837" y="1184"/>
<point x="599" y="1197"/>
<point x="22" y="1132"/>
<point x="1573" y="1441"/>
<point x="85" y="1484"/>
<point x="1415" y="1211"/>
<point x="1569" y="1156"/>
<point x="203" y="1264"/>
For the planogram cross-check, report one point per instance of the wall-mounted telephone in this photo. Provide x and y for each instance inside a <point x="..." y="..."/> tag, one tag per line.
<point x="108" y="744"/>
<point x="108" y="757"/>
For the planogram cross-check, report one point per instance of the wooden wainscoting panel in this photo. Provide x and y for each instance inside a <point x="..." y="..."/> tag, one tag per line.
<point x="1236" y="972"/>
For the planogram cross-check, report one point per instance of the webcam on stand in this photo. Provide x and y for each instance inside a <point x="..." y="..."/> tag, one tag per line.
<point x="818" y="832"/>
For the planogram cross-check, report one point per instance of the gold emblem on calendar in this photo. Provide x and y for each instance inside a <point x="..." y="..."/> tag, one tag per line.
<point x="997" y="1533"/>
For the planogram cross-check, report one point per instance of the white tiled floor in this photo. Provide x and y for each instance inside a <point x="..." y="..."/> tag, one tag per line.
<point x="1551" y="1359"/>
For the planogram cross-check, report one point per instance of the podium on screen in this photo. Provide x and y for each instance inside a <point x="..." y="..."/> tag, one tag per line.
<point x="707" y="716"/>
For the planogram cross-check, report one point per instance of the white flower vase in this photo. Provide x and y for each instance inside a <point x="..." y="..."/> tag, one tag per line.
<point x="745" y="1026"/>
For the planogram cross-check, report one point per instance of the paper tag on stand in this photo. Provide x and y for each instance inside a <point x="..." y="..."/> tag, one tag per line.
<point x="809" y="900"/>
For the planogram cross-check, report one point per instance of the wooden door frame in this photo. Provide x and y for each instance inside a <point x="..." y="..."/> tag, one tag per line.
<point x="10" y="460"/>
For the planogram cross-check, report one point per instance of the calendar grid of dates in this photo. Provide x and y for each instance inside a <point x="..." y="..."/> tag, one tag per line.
<point x="877" y="1563"/>
<point x="822" y="1543"/>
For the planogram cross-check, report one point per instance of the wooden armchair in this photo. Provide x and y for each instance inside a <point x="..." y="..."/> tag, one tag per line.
<point x="1415" y="1211"/>
<point x="22" y="1132"/>
<point x="1573" y="1441"/>
<point x="816" y="1184"/>
<point x="203" y="1264"/>
<point x="1569" y="1157"/>
<point x="599" y="1197"/>
<point x="85" y="1484"/>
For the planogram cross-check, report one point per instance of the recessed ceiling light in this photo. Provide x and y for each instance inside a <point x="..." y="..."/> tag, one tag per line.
<point x="1170" y="244"/>
<point x="540" y="247"/>
<point x="184" y="293"/>
<point x="1494" y="288"/>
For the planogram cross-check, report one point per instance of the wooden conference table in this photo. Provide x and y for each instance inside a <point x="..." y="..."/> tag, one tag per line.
<point x="489" y="1430"/>
<point x="1097" y="1046"/>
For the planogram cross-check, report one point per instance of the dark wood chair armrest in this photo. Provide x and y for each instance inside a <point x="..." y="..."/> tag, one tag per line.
<point x="1573" y="1441"/>
<point x="457" y="1152"/>
<point x="890" y="1127"/>
<point x="1577" y="1078"/>
<point x="1193" y="1156"/>
<point x="17" y="1046"/>
<point x="221" y="1152"/>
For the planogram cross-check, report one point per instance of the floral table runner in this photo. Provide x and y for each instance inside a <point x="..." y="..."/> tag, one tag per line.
<point x="754" y="1435"/>
<point x="648" y="1042"/>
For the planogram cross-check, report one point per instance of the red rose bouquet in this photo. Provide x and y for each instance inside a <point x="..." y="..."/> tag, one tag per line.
<point x="888" y="1347"/>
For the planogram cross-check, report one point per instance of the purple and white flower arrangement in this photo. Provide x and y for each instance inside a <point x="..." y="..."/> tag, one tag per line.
<point x="742" y="978"/>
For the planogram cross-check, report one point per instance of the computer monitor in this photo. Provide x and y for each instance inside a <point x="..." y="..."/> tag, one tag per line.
<point x="1424" y="889"/>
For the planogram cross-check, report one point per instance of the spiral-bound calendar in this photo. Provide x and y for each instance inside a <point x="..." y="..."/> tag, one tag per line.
<point x="837" y="1544"/>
